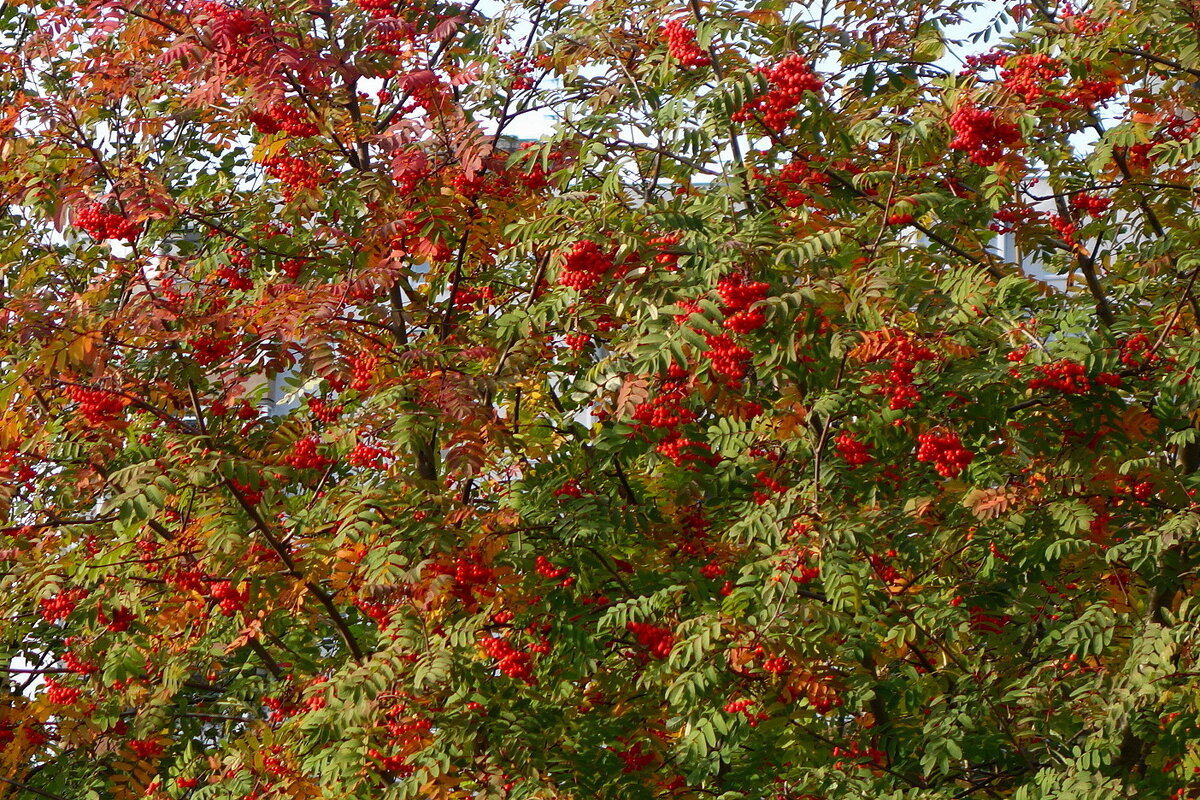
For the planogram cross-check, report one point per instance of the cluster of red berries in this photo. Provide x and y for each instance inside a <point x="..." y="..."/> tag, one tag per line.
<point x="666" y="410"/>
<point x="469" y="574"/>
<point x="98" y="407"/>
<point x="788" y="80"/>
<point x="495" y="183"/>
<point x="607" y="323"/>
<point x="397" y="763"/>
<point x="1064" y="226"/>
<point x="229" y="599"/>
<point x="304" y="455"/>
<point x="544" y="567"/>
<point x="362" y="371"/>
<point x="509" y="660"/>
<point x="726" y="358"/>
<point x="228" y="25"/>
<point x="1090" y="92"/>
<point x="243" y="40"/>
<point x="681" y="44"/>
<point x="1066" y="376"/>
<point x="239" y="259"/>
<point x="294" y="173"/>
<point x="409" y="175"/>
<point x="1137" y="352"/>
<point x="904" y="218"/>
<point x="323" y="411"/>
<point x="404" y="729"/>
<point x="979" y="61"/>
<point x="62" y="695"/>
<point x="739" y="296"/>
<point x="1090" y="204"/>
<point x="635" y="759"/>
<point x="468" y="571"/>
<point x="984" y="622"/>
<point x="578" y="342"/>
<point x="276" y="763"/>
<point x="798" y="182"/>
<point x="379" y="9"/>
<point x="60" y="606"/>
<point x="1009" y="218"/>
<point x="292" y="267"/>
<point x="897" y="383"/>
<point x="682" y="450"/>
<point x="13" y="466"/>
<point x="887" y="573"/>
<point x="745" y="321"/>
<point x="247" y="492"/>
<point x="1082" y="23"/>
<point x="284" y="117"/>
<point x="1139" y="490"/>
<point x="858" y="754"/>
<point x="745" y="707"/>
<point x="802" y="566"/>
<point x="585" y="263"/>
<point x="519" y="66"/>
<point x="852" y="451"/>
<point x="777" y="665"/>
<point x="233" y="277"/>
<point x="369" y="456"/>
<point x="246" y="410"/>
<point x="208" y="349"/>
<point x="102" y="225"/>
<point x="1174" y="128"/>
<point x="1031" y="74"/>
<point x="379" y="613"/>
<point x="666" y="257"/>
<point x="146" y="748"/>
<point x="945" y="451"/>
<point x="470" y="296"/>
<point x="770" y="484"/>
<point x="76" y="664"/>
<point x="186" y="580"/>
<point x="657" y="640"/>
<point x="120" y="620"/>
<point x="979" y="132"/>
<point x="569" y="488"/>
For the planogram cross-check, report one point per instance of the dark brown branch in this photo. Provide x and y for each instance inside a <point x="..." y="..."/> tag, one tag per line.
<point x="24" y="787"/>
<point x="1165" y="62"/>
<point x="315" y="590"/>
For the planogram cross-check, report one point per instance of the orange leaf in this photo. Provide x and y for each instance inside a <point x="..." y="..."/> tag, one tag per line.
<point x="990" y="503"/>
<point x="1138" y="424"/>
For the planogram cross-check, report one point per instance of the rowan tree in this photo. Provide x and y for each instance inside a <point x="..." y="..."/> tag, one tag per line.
<point x="804" y="410"/>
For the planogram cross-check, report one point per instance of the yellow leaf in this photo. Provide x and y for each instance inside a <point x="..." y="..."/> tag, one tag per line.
<point x="81" y="352"/>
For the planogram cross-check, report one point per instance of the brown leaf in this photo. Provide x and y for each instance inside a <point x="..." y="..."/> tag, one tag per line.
<point x="635" y="390"/>
<point x="761" y="16"/>
<point x="466" y="455"/>
<point x="957" y="350"/>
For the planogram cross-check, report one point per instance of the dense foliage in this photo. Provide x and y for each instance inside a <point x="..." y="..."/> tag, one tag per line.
<point x="709" y="444"/>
